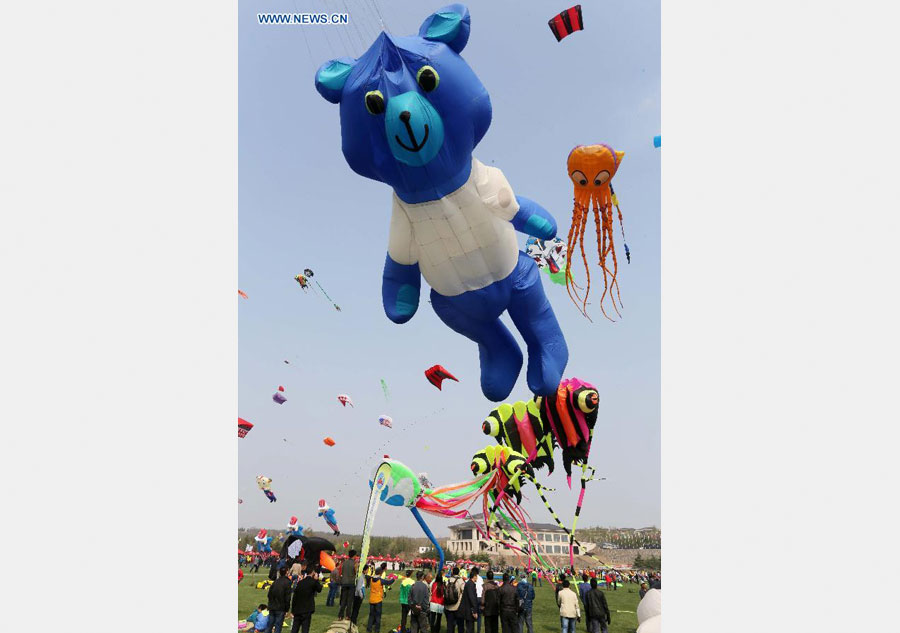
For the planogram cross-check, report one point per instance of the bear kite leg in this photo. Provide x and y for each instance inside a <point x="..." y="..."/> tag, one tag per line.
<point x="471" y="315"/>
<point x="530" y="310"/>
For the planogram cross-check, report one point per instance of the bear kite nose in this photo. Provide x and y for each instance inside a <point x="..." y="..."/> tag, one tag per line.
<point x="404" y="116"/>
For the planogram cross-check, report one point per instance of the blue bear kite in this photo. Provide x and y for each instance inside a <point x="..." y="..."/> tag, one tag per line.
<point x="412" y="111"/>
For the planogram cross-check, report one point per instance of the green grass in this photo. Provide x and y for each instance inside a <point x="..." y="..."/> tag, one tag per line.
<point x="545" y="615"/>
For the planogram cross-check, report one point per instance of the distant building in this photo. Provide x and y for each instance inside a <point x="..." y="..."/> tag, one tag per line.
<point x="551" y="539"/>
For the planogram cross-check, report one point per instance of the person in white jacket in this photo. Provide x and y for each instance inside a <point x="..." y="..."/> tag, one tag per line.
<point x="569" y="612"/>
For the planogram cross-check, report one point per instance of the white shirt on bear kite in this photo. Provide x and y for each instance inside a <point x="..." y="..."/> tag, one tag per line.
<point x="463" y="241"/>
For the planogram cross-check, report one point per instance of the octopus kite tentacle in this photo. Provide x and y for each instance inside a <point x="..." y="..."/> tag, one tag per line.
<point x="576" y="236"/>
<point x="604" y="249"/>
<point x="579" y="223"/>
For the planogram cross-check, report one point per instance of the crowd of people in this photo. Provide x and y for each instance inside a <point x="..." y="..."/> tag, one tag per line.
<point x="501" y="601"/>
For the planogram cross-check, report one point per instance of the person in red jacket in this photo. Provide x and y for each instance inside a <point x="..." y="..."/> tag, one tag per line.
<point x="436" y="606"/>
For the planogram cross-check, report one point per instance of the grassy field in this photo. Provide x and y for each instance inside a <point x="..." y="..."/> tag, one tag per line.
<point x="545" y="616"/>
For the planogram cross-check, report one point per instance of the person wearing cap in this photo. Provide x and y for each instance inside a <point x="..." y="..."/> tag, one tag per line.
<point x="334" y="586"/>
<point x="525" y="592"/>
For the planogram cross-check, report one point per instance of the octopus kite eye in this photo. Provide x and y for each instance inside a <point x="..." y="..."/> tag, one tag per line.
<point x="374" y="102"/>
<point x="579" y="178"/>
<point x="601" y="178"/>
<point x="428" y="78"/>
<point x="491" y="427"/>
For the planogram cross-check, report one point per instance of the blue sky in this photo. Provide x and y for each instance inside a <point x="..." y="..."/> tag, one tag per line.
<point x="300" y="206"/>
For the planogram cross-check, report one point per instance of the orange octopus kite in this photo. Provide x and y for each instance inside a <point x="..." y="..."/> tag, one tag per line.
<point x="591" y="168"/>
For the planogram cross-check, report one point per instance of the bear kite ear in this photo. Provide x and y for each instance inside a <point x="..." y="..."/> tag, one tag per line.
<point x="449" y="25"/>
<point x="331" y="77"/>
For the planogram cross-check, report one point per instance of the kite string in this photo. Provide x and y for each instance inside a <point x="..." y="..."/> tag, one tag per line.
<point x="379" y="451"/>
<point x="615" y="201"/>
<point x="380" y="18"/>
<point x="325" y="293"/>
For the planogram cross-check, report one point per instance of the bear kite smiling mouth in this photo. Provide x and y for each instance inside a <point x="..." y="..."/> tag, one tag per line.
<point x="412" y="137"/>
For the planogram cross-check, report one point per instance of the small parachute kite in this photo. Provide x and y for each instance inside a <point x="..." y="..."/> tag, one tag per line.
<point x="591" y="168"/>
<point x="244" y="427"/>
<point x="344" y="399"/>
<point x="657" y="141"/>
<point x="384" y="388"/>
<point x="386" y="420"/>
<point x="278" y="396"/>
<point x="328" y="441"/>
<point x="240" y="501"/>
<point x="327" y="513"/>
<point x="304" y="280"/>
<point x="566" y="22"/>
<point x="436" y="375"/>
<point x="265" y="484"/>
<point x="242" y="294"/>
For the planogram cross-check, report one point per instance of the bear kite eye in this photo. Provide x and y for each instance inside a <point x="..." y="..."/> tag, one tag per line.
<point x="579" y="177"/>
<point x="428" y="78"/>
<point x="375" y="102"/>
<point x="601" y="178"/>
